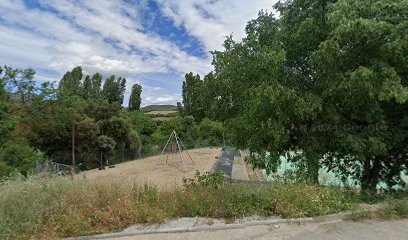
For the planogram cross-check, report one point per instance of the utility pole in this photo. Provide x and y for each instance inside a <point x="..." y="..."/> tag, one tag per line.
<point x="73" y="147"/>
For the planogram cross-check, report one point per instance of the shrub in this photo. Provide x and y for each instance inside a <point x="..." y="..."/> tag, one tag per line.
<point x="214" y="180"/>
<point x="20" y="158"/>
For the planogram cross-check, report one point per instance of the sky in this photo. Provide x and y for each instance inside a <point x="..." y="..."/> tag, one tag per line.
<point x="149" y="42"/>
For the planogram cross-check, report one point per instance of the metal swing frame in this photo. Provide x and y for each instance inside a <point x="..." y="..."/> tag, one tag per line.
<point x="180" y="146"/>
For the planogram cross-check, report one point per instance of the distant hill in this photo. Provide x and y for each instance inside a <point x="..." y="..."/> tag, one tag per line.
<point x="149" y="108"/>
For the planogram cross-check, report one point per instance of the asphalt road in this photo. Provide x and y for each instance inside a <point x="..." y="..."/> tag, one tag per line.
<point x="342" y="230"/>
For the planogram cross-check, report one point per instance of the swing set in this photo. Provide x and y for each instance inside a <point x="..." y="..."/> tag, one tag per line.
<point x="172" y="153"/>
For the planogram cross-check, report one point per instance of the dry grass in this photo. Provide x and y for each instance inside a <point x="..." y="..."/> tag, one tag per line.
<point x="164" y="175"/>
<point x="58" y="207"/>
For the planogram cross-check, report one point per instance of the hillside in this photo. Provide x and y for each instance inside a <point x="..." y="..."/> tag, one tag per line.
<point x="149" y="108"/>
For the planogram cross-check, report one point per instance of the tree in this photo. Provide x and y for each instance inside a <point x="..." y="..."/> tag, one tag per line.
<point x="87" y="88"/>
<point x="96" y="86"/>
<point x="87" y="132"/>
<point x="135" y="100"/>
<point x="116" y="128"/>
<point x="106" y="145"/>
<point x="70" y="83"/>
<point x="192" y="96"/>
<point x="365" y="86"/>
<point x="49" y="125"/>
<point x="7" y="122"/>
<point x="20" y="81"/>
<point x="20" y="158"/>
<point x="102" y="110"/>
<point x="318" y="79"/>
<point x="114" y="89"/>
<point x="212" y="131"/>
<point x="141" y="123"/>
<point x="180" y="109"/>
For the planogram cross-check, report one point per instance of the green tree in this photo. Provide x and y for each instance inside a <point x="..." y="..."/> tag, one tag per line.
<point x="7" y="122"/>
<point x="116" y="128"/>
<point x="87" y="133"/>
<point x="87" y="88"/>
<point x="70" y="83"/>
<point x="318" y="79"/>
<point x="180" y="109"/>
<point x="135" y="99"/>
<point x="102" y="110"/>
<point x="49" y="126"/>
<point x="192" y="96"/>
<point x="106" y="145"/>
<point x="215" y="98"/>
<point x="212" y="131"/>
<point x="96" y="86"/>
<point x="114" y="89"/>
<point x="361" y="74"/>
<point x="21" y="82"/>
<point x="19" y="158"/>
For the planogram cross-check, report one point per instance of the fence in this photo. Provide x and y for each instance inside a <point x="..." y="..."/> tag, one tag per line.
<point x="54" y="168"/>
<point x="112" y="158"/>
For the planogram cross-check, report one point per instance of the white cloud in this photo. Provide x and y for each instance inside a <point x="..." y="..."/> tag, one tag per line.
<point x="212" y="21"/>
<point x="168" y="99"/>
<point x="110" y="37"/>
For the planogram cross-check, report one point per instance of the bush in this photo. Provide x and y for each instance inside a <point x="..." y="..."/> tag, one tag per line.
<point x="19" y="158"/>
<point x="214" y="180"/>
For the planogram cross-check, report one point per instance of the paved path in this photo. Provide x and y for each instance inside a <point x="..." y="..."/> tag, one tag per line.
<point x="225" y="161"/>
<point x="342" y="230"/>
<point x="239" y="171"/>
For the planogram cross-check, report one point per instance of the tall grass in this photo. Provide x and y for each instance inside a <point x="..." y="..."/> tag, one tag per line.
<point x="59" y="207"/>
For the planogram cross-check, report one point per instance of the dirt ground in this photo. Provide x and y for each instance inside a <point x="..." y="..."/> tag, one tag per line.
<point x="162" y="175"/>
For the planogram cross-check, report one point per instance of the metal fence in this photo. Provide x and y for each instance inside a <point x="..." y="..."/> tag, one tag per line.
<point x="55" y="168"/>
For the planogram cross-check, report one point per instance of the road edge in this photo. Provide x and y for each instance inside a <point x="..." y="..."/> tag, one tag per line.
<point x="299" y="221"/>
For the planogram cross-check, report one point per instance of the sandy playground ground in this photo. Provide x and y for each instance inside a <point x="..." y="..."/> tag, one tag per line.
<point x="163" y="175"/>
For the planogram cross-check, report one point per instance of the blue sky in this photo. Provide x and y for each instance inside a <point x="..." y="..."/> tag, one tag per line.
<point x="150" y="42"/>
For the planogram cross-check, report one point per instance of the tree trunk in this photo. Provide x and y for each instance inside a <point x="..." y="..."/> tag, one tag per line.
<point x="139" y="151"/>
<point x="371" y="175"/>
<point x="312" y="168"/>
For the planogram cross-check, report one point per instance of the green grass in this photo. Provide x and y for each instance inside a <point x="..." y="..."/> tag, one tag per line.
<point x="58" y="207"/>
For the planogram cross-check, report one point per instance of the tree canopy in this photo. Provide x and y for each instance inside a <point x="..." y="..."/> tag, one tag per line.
<point x="135" y="99"/>
<point x="325" y="79"/>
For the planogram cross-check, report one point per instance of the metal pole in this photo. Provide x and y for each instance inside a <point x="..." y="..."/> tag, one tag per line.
<point x="161" y="154"/>
<point x="73" y="145"/>
<point x="185" y="149"/>
<point x="181" y="153"/>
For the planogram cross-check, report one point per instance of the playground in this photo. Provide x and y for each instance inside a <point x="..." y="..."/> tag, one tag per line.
<point x="157" y="171"/>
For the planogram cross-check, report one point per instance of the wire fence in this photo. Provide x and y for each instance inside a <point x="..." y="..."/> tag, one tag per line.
<point x="55" y="168"/>
<point x="61" y="165"/>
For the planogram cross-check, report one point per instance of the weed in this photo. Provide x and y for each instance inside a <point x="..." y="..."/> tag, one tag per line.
<point x="58" y="207"/>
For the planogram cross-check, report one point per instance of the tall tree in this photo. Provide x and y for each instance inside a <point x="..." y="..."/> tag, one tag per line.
<point x="21" y="82"/>
<point x="114" y="89"/>
<point x="192" y="96"/>
<point x="319" y="79"/>
<point x="6" y="122"/>
<point x="135" y="99"/>
<point x="96" y="86"/>
<point x="87" y="88"/>
<point x="361" y="74"/>
<point x="70" y="83"/>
